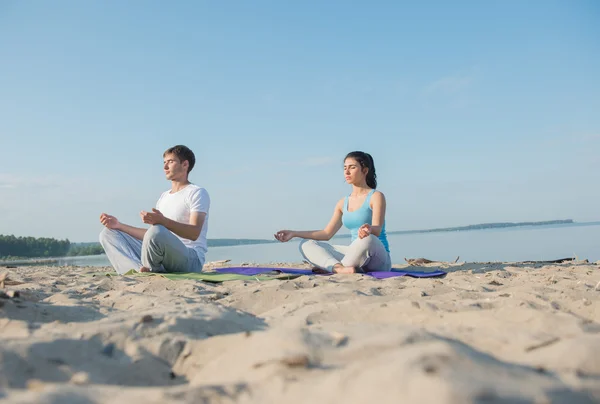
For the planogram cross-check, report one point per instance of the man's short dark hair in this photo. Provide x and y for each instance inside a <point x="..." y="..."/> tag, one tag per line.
<point x="183" y="153"/>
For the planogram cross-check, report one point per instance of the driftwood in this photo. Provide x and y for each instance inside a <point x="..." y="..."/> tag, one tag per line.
<point x="423" y="261"/>
<point x="5" y="281"/>
<point x="216" y="263"/>
<point x="559" y="261"/>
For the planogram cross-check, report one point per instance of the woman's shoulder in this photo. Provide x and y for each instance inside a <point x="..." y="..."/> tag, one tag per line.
<point x="378" y="196"/>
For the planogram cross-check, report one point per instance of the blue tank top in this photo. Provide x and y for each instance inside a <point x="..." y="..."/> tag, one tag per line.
<point x="353" y="220"/>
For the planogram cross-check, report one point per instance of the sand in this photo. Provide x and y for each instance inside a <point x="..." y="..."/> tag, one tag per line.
<point x="486" y="333"/>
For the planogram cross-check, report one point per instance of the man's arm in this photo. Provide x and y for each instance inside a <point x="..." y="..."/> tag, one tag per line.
<point x="199" y="204"/>
<point x="113" y="223"/>
<point x="136" y="232"/>
<point x="190" y="231"/>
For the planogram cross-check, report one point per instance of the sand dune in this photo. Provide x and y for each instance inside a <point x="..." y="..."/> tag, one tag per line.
<point x="485" y="333"/>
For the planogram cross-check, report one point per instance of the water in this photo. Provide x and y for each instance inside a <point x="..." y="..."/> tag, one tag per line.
<point x="581" y="240"/>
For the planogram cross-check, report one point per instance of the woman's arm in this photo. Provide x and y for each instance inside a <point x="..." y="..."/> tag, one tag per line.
<point x="322" y="235"/>
<point x="378" y="207"/>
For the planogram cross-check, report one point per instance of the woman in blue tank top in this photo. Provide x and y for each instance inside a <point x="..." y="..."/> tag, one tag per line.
<point x="363" y="213"/>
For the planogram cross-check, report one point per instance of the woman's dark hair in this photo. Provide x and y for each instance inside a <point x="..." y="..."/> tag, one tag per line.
<point x="366" y="161"/>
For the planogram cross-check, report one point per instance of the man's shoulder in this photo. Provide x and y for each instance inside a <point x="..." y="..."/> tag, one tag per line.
<point x="196" y="190"/>
<point x="194" y="187"/>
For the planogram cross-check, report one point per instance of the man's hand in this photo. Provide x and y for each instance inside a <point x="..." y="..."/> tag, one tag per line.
<point x="154" y="217"/>
<point x="109" y="221"/>
<point x="284" y="235"/>
<point x="364" y="231"/>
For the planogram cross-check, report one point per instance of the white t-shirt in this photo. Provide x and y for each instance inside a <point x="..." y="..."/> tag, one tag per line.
<point x="178" y="207"/>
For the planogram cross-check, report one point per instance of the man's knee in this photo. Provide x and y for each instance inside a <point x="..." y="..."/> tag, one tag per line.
<point x="107" y="234"/>
<point x="156" y="232"/>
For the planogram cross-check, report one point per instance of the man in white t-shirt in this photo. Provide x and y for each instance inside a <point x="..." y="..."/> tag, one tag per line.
<point x="176" y="239"/>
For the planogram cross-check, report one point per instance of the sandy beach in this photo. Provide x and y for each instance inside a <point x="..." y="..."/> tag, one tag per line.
<point x="484" y="333"/>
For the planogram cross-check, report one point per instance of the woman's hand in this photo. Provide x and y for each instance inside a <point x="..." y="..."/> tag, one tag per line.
<point x="284" y="235"/>
<point x="364" y="231"/>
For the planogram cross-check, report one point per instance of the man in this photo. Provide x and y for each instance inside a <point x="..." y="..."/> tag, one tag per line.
<point x="176" y="239"/>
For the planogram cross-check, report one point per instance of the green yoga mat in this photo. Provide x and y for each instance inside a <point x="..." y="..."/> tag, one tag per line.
<point x="214" y="277"/>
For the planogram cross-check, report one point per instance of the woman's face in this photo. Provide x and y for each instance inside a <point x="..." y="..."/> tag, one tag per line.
<point x="353" y="172"/>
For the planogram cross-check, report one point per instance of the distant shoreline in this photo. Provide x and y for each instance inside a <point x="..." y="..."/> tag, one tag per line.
<point x="482" y="226"/>
<point x="227" y="242"/>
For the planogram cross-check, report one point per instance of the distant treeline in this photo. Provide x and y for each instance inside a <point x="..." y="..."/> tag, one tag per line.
<point x="85" y="249"/>
<point x="31" y="247"/>
<point x="12" y="247"/>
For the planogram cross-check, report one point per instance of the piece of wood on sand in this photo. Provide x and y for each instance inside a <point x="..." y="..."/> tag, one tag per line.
<point x="424" y="261"/>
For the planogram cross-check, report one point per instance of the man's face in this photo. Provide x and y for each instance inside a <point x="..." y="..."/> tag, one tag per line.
<point x="174" y="169"/>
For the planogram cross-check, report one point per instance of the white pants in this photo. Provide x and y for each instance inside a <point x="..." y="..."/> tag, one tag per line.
<point x="160" y="251"/>
<point x="367" y="253"/>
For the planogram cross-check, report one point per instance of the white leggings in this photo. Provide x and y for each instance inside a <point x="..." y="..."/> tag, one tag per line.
<point x="367" y="253"/>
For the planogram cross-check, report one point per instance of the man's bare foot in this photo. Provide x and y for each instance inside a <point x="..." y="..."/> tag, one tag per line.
<point x="144" y="269"/>
<point x="340" y="269"/>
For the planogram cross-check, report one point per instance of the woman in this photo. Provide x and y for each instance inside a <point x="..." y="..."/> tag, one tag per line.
<point x="363" y="213"/>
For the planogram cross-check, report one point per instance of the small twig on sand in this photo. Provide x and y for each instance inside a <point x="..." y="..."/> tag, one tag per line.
<point x="293" y="361"/>
<point x="542" y="344"/>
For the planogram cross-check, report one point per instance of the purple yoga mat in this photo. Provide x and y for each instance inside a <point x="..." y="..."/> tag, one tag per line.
<point x="292" y="271"/>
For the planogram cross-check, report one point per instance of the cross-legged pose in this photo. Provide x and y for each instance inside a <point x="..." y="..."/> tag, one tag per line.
<point x="363" y="213"/>
<point x="176" y="238"/>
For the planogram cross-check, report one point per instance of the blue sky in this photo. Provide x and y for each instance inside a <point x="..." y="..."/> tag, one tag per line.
<point x="473" y="111"/>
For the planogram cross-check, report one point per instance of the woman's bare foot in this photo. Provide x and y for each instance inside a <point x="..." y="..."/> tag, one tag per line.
<point x="340" y="269"/>
<point x="144" y="269"/>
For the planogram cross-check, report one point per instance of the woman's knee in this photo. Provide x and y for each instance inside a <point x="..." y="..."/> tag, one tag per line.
<point x="366" y="242"/>
<point x="308" y="248"/>
<point x="307" y="244"/>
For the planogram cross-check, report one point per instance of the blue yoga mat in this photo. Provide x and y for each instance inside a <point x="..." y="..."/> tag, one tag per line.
<point x="293" y="271"/>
